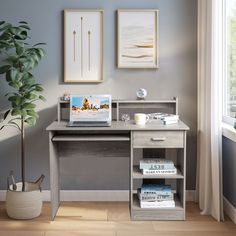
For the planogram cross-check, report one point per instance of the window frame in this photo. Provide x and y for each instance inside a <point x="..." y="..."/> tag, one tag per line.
<point x="226" y="118"/>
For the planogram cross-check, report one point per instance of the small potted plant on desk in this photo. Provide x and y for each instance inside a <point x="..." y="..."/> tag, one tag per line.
<point x="18" y="59"/>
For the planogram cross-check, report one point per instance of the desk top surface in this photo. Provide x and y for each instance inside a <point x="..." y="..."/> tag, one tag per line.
<point x="119" y="125"/>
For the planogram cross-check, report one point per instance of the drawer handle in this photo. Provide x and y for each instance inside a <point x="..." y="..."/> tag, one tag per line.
<point x="161" y="139"/>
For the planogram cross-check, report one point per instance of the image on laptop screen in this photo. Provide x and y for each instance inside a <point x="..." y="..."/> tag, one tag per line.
<point x="90" y="108"/>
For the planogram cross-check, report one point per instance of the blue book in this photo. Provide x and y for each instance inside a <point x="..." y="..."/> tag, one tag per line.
<point x="156" y="189"/>
<point x="156" y="164"/>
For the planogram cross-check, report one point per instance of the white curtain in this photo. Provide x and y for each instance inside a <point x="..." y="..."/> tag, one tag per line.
<point x="210" y="78"/>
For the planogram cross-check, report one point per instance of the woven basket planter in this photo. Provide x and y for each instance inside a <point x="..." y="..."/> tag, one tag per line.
<point x="24" y="205"/>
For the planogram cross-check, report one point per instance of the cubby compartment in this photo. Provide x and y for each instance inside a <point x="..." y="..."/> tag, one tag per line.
<point x="175" y="154"/>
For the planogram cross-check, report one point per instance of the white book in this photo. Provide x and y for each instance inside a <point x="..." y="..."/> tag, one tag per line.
<point x="155" y="197"/>
<point x="172" y="171"/>
<point x="170" y="122"/>
<point x="156" y="164"/>
<point x="159" y="204"/>
<point x="163" y="116"/>
<point x="170" y="117"/>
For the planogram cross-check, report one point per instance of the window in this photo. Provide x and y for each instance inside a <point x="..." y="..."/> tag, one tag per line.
<point x="230" y="61"/>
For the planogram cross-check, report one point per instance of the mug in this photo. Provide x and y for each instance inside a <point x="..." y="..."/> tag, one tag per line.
<point x="140" y="118"/>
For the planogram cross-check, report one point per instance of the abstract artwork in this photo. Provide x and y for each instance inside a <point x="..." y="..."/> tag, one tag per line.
<point x="138" y="39"/>
<point x="83" y="45"/>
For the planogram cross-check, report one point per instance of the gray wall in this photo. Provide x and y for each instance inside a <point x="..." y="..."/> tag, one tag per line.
<point x="177" y="76"/>
<point x="229" y="170"/>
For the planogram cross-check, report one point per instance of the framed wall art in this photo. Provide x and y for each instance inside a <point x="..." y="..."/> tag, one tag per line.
<point x="138" y="38"/>
<point x="83" y="45"/>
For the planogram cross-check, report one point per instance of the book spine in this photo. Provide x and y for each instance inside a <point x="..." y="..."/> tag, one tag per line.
<point x="155" y="195"/>
<point x="170" y="118"/>
<point x="155" y="192"/>
<point x="149" y="166"/>
<point x="170" y="122"/>
<point x="157" y="204"/>
<point x="150" y="198"/>
<point x="156" y="172"/>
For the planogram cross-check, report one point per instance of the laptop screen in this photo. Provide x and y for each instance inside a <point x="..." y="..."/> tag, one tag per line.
<point x="90" y="108"/>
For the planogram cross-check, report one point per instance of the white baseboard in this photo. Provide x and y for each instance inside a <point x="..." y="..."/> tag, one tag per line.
<point x="94" y="195"/>
<point x="229" y="210"/>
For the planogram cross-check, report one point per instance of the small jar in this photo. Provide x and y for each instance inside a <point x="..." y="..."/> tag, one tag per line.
<point x="66" y="97"/>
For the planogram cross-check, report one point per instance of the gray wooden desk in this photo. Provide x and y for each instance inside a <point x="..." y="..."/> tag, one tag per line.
<point x="152" y="135"/>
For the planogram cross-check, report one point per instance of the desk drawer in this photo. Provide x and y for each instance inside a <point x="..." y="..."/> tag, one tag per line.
<point x="158" y="139"/>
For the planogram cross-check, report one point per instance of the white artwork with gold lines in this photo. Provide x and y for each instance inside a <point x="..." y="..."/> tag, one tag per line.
<point x="83" y="45"/>
<point x="138" y="39"/>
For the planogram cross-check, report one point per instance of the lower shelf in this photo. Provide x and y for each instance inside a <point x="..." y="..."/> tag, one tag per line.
<point x="173" y="213"/>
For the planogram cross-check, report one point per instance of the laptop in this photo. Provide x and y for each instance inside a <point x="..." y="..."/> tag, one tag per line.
<point x="90" y="110"/>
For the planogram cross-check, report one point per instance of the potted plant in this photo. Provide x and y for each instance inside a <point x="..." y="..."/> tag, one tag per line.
<point x="18" y="59"/>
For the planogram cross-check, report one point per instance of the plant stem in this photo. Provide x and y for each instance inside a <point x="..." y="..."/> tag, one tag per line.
<point x="22" y="154"/>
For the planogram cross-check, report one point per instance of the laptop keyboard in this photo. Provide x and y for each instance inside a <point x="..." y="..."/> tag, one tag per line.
<point x="88" y="124"/>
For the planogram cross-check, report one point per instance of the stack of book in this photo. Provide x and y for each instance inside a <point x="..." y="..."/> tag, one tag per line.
<point x="169" y="119"/>
<point x="156" y="196"/>
<point x="166" y="118"/>
<point x="157" y="166"/>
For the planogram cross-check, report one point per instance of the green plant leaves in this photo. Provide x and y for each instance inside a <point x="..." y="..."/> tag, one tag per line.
<point x="21" y="59"/>
<point x="40" y="52"/>
<point x="4" y="69"/>
<point x="11" y="59"/>
<point x="31" y="120"/>
<point x="14" y="85"/>
<point x="22" y="36"/>
<point x="15" y="112"/>
<point x="25" y="27"/>
<point x="39" y="44"/>
<point x="6" y="114"/>
<point x="28" y="106"/>
<point x="4" y="26"/>
<point x="15" y="75"/>
<point x="4" y="44"/>
<point x="20" y="48"/>
<point x="42" y="98"/>
<point x="28" y="64"/>
<point x="16" y="100"/>
<point x="31" y="96"/>
<point x="33" y="114"/>
<point x="23" y="22"/>
<point x="38" y="88"/>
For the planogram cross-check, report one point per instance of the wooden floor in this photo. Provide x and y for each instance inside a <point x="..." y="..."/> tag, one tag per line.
<point x="110" y="219"/>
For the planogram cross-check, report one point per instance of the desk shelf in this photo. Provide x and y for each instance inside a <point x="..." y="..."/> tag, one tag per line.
<point x="120" y="107"/>
<point x="136" y="205"/>
<point x="90" y="137"/>
<point x="162" y="213"/>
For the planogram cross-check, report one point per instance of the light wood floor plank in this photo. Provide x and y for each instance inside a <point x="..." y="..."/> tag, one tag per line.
<point x="81" y="233"/>
<point x="110" y="219"/>
<point x="190" y="226"/>
<point x="21" y="233"/>
<point x="82" y="212"/>
<point x="118" y="211"/>
<point x="211" y="233"/>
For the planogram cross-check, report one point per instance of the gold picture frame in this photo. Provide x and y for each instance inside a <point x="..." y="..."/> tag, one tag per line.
<point x="138" y="38"/>
<point x="83" y="45"/>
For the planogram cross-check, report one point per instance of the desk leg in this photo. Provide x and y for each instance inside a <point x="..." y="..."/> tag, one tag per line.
<point x="54" y="176"/>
